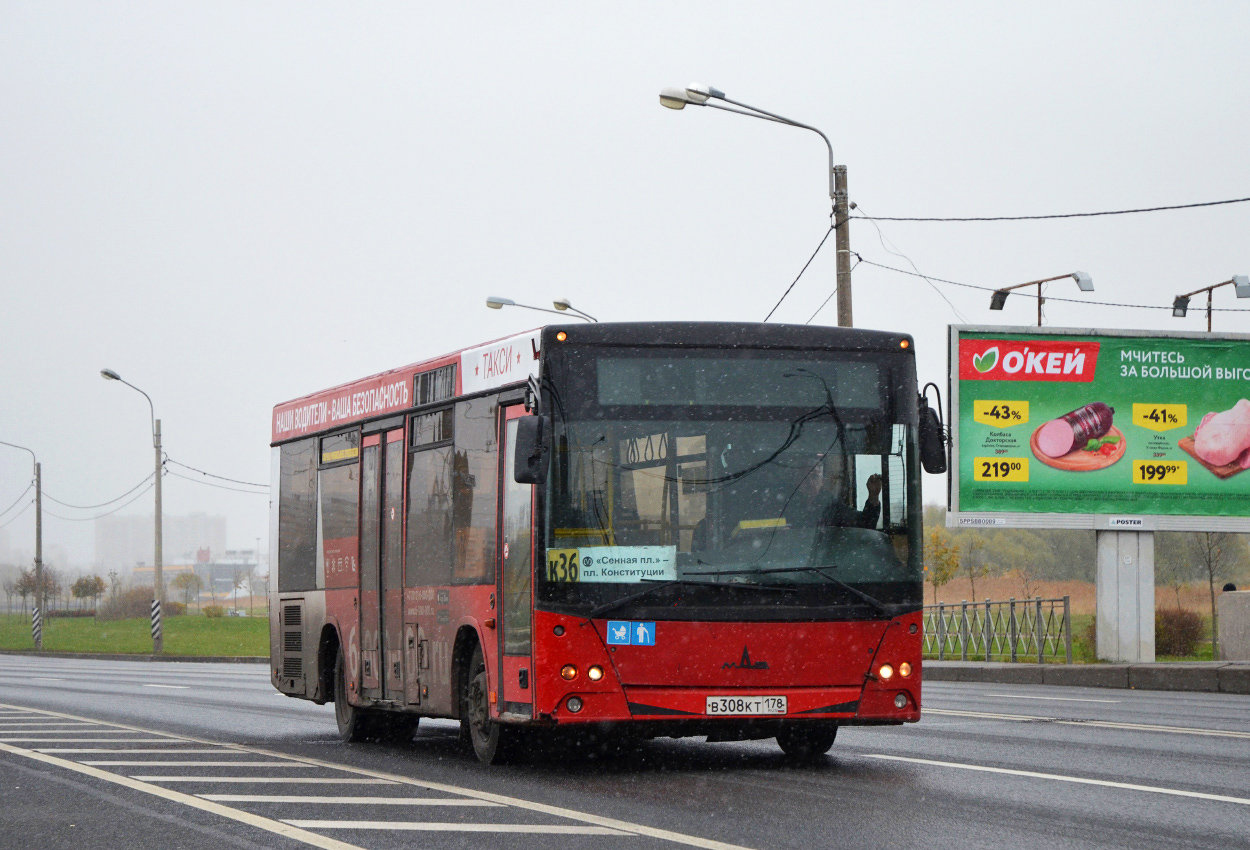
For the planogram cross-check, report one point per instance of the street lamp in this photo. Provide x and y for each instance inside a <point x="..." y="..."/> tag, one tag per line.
<point x="36" y="624"/>
<point x="697" y="94"/>
<point x="999" y="296"/>
<point x="158" y="641"/>
<point x="1240" y="282"/>
<point x="496" y="303"/>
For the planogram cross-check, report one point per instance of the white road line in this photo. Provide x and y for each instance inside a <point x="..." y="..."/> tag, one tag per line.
<point x="532" y="828"/>
<point x="1101" y="724"/>
<point x="268" y="780"/>
<point x="45" y="679"/>
<point x="1050" y="699"/>
<point x="130" y="750"/>
<point x="90" y="740"/>
<point x="170" y="687"/>
<point x="555" y="811"/>
<point x="1175" y="792"/>
<point x="267" y="824"/>
<point x="192" y="763"/>
<point x="351" y="801"/>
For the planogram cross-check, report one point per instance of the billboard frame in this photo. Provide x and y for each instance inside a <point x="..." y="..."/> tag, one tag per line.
<point x="955" y="518"/>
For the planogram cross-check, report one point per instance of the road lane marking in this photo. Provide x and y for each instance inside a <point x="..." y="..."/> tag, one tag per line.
<point x="91" y="740"/>
<point x="1127" y="786"/>
<point x="191" y="763"/>
<point x="1101" y="724"/>
<point x="1051" y="699"/>
<point x="124" y="750"/>
<point x="555" y="811"/>
<point x="171" y="687"/>
<point x="532" y="828"/>
<point x="45" y="679"/>
<point x="351" y="801"/>
<point x="269" y="780"/>
<point x="269" y="825"/>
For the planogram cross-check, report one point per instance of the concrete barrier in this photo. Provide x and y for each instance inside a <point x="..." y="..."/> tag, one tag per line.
<point x="1234" y="611"/>
<point x="1202" y="677"/>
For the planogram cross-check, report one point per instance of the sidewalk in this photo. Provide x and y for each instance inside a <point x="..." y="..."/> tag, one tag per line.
<point x="1225" y="677"/>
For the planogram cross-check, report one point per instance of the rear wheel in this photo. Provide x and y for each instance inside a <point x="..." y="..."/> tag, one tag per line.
<point x="806" y="742"/>
<point x="493" y="743"/>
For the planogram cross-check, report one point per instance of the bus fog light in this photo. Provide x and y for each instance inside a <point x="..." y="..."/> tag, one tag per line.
<point x="574" y="704"/>
<point x="900" y="701"/>
<point x="904" y="669"/>
<point x="568" y="672"/>
<point x="886" y="672"/>
<point x="595" y="673"/>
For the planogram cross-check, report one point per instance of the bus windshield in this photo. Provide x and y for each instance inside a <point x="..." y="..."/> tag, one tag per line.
<point x="766" y="481"/>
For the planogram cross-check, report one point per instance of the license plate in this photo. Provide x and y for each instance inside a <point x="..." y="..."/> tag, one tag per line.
<point x="746" y="705"/>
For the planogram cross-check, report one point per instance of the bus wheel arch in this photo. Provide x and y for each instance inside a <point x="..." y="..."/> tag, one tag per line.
<point x="467" y="640"/>
<point x="327" y="658"/>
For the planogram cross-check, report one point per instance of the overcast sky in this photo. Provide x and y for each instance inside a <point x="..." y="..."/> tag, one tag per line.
<point x="234" y="204"/>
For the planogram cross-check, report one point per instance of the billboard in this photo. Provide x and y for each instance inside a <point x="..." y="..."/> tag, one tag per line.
<point x="1079" y="428"/>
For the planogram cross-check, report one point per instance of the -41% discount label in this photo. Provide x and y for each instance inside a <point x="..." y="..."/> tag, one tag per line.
<point x="1159" y="417"/>
<point x="1000" y="414"/>
<point x="1013" y="469"/>
<point x="1159" y="472"/>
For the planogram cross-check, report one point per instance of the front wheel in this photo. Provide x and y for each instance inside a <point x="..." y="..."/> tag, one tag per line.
<point x="806" y="742"/>
<point x="358" y="724"/>
<point x="493" y="743"/>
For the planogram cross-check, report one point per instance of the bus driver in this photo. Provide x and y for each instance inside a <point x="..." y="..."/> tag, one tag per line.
<point x="821" y="499"/>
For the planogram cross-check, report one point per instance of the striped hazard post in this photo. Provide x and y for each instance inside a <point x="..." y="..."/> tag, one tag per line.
<point x="156" y="620"/>
<point x="36" y="627"/>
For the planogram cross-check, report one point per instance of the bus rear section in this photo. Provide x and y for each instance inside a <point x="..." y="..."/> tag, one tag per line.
<point x="631" y="530"/>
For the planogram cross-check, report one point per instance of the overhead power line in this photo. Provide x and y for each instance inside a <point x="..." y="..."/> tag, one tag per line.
<point x="46" y="495"/>
<point x="824" y="239"/>
<point x="217" y="486"/>
<point x="106" y="513"/>
<point x="169" y="459"/>
<point x="1056" y="215"/>
<point x="18" y="499"/>
<point x="13" y="518"/>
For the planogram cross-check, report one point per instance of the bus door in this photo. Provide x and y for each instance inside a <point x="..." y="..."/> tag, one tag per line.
<point x="392" y="572"/>
<point x="370" y="562"/>
<point x="515" y="577"/>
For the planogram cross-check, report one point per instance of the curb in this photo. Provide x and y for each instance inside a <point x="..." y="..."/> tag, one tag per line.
<point x="121" y="656"/>
<point x="1223" y="677"/>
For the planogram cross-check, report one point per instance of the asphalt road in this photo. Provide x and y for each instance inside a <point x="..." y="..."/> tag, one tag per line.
<point x="208" y="755"/>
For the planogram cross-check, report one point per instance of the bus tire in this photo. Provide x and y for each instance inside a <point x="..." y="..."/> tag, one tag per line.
<point x="492" y="742"/>
<point x="355" y="724"/>
<point x="807" y="742"/>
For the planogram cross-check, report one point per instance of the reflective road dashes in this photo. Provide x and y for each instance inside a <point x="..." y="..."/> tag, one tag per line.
<point x="44" y="727"/>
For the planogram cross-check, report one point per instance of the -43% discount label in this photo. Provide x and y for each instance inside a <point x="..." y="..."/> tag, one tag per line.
<point x="1005" y="469"/>
<point x="1000" y="414"/>
<point x="1159" y="472"/>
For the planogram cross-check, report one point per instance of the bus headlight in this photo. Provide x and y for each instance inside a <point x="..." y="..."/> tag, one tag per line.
<point x="568" y="672"/>
<point x="595" y="673"/>
<point x="904" y="669"/>
<point x="886" y="672"/>
<point x="574" y="704"/>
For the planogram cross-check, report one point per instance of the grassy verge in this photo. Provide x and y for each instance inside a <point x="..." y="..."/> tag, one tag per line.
<point x="187" y="635"/>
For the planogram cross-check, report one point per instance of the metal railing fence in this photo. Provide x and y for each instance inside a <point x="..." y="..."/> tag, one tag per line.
<point x="1015" y="630"/>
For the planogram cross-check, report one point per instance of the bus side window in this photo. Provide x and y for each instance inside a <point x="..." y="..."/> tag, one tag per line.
<point x="475" y="467"/>
<point x="430" y="541"/>
<point x="297" y="516"/>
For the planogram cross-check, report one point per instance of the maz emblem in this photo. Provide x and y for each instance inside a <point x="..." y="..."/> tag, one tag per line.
<point x="745" y="663"/>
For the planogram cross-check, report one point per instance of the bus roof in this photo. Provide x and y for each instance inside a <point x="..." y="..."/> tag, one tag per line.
<point x="514" y="359"/>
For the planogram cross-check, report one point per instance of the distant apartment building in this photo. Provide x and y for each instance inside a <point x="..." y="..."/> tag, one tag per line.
<point x="125" y="542"/>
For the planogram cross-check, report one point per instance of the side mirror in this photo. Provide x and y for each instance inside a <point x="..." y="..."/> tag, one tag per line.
<point x="529" y="464"/>
<point x="932" y="443"/>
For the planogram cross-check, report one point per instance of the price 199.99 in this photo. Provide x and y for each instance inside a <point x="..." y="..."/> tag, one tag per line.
<point x="1000" y="469"/>
<point x="1159" y="472"/>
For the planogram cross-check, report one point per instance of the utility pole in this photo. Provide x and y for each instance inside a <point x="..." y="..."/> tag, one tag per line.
<point x="842" y="220"/>
<point x="39" y="551"/>
<point x="158" y="639"/>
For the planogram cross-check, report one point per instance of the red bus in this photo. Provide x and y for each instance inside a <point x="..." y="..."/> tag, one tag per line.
<point x="652" y="529"/>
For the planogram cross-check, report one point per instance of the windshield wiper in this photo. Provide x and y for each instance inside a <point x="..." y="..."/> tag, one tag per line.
<point x="820" y="571"/>
<point x="613" y="604"/>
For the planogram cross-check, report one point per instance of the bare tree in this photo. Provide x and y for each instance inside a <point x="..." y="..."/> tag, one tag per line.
<point x="10" y="590"/>
<point x="1217" y="554"/>
<point x="972" y="561"/>
<point x="190" y="584"/>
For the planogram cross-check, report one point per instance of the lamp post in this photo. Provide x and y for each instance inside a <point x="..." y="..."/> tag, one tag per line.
<point x="1180" y="305"/>
<point x="158" y="641"/>
<point x="999" y="297"/>
<point x="496" y="303"/>
<point x="697" y="94"/>
<point x="37" y="617"/>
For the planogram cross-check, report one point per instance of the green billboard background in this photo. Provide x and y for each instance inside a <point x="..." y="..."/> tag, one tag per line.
<point x="1170" y="382"/>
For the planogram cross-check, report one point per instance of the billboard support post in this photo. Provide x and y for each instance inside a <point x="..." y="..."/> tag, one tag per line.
<point x="1125" y="596"/>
